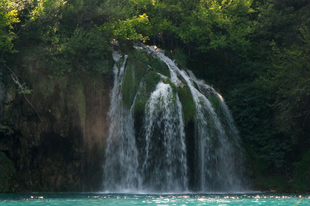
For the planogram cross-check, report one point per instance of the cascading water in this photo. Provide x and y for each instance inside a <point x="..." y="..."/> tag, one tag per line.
<point x="157" y="154"/>
<point x="164" y="165"/>
<point x="121" y="164"/>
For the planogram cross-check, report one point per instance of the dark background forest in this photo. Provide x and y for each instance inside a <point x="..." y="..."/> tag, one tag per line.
<point x="256" y="53"/>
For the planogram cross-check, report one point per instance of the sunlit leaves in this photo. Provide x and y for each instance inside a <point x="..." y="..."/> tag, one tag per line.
<point x="230" y="22"/>
<point x="8" y="17"/>
<point x="47" y="9"/>
<point x="130" y="29"/>
<point x="211" y="24"/>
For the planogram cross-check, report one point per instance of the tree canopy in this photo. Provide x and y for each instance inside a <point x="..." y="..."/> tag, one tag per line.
<point x="8" y="17"/>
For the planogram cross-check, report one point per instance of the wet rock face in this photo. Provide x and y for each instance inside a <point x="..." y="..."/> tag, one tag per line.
<point x="2" y="91"/>
<point x="55" y="140"/>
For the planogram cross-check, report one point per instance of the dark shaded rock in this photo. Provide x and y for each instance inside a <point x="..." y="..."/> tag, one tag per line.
<point x="7" y="174"/>
<point x="53" y="142"/>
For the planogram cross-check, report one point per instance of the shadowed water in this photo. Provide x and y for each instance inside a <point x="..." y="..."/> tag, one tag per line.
<point x="154" y="199"/>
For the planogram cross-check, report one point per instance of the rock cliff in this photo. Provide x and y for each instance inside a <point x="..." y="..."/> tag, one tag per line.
<point x="52" y="139"/>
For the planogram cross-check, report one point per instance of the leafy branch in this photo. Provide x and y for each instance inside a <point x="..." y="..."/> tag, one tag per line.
<point x="22" y="89"/>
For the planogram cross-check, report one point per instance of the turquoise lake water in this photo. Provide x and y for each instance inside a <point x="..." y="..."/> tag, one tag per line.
<point x="36" y="199"/>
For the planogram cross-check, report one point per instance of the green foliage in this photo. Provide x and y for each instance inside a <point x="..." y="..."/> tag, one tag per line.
<point x="129" y="28"/>
<point x="181" y="59"/>
<point x="301" y="173"/>
<point x="62" y="39"/>
<point x="8" y="17"/>
<point x="207" y="24"/>
<point x="289" y="78"/>
<point x="86" y="50"/>
<point x="230" y="23"/>
<point x="23" y="89"/>
<point x="252" y="114"/>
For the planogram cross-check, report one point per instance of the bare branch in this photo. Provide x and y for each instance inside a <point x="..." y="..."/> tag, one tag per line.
<point x="23" y="90"/>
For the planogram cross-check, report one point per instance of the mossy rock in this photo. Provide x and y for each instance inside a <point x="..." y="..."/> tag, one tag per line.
<point x="136" y="69"/>
<point x="151" y="80"/>
<point x="141" y="56"/>
<point x="215" y="102"/>
<point x="188" y="104"/>
<point x="7" y="174"/>
<point x="160" y="67"/>
<point x="173" y="86"/>
<point x="129" y="87"/>
<point x="140" y="105"/>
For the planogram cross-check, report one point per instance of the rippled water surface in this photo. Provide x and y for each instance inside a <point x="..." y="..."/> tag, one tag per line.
<point x="154" y="199"/>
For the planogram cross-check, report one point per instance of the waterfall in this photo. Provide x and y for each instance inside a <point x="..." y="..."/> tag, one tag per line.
<point x="153" y="152"/>
<point x="164" y="164"/>
<point x="121" y="157"/>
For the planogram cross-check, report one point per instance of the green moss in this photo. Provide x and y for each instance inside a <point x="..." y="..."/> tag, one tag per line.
<point x="151" y="80"/>
<point x="7" y="173"/>
<point x="141" y="56"/>
<point x="140" y="105"/>
<point x="215" y="102"/>
<point x="189" y="109"/>
<point x="140" y="66"/>
<point x="140" y="62"/>
<point x="174" y="88"/>
<point x="301" y="173"/>
<point x="128" y="86"/>
<point x="46" y="87"/>
<point x="135" y="71"/>
<point x="159" y="66"/>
